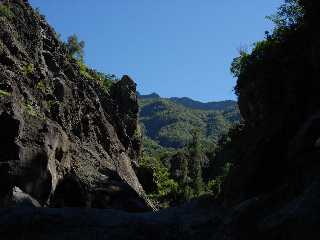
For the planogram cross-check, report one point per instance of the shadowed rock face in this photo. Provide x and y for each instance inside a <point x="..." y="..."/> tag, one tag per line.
<point x="64" y="140"/>
<point x="256" y="218"/>
<point x="279" y="102"/>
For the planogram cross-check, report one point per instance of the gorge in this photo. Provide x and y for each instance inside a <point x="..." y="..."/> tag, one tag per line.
<point x="70" y="144"/>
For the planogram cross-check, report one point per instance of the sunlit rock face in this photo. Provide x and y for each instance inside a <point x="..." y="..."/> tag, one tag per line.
<point x="65" y="141"/>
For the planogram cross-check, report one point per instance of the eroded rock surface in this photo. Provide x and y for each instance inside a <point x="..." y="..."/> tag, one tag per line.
<point x="65" y="141"/>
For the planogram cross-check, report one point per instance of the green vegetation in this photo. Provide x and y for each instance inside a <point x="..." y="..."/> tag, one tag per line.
<point x="137" y="133"/>
<point x="4" y="93"/>
<point x="105" y="80"/>
<point x="214" y="186"/>
<point x="41" y="86"/>
<point x="288" y="15"/>
<point x="75" y="47"/>
<point x="52" y="104"/>
<point x="238" y="64"/>
<point x="195" y="163"/>
<point x="76" y="51"/>
<point x="152" y="148"/>
<point x="6" y="11"/>
<point x="37" y="11"/>
<point x="181" y="136"/>
<point x="187" y="172"/>
<point x="30" y="109"/>
<point x="84" y="71"/>
<point x="168" y="123"/>
<point x="157" y="182"/>
<point x="28" y="69"/>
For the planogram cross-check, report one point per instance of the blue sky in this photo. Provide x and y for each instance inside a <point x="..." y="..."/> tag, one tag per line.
<point x="173" y="47"/>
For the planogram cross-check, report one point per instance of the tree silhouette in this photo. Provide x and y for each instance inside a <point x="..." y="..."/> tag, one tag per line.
<point x="195" y="164"/>
<point x="75" y="47"/>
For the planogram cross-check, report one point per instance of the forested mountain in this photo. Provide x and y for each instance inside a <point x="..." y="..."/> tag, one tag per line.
<point x="169" y="121"/>
<point x="194" y="104"/>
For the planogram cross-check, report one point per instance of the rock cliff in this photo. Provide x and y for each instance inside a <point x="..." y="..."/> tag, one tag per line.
<point x="65" y="141"/>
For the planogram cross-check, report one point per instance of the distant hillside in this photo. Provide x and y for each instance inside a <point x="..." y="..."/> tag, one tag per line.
<point x="188" y="102"/>
<point x="167" y="121"/>
<point x="148" y="96"/>
<point x="194" y="104"/>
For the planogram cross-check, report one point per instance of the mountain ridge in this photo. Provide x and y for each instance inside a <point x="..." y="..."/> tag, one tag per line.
<point x="192" y="103"/>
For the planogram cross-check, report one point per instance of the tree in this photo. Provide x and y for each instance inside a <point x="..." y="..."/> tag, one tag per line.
<point x="239" y="63"/>
<point x="289" y="14"/>
<point x="195" y="164"/>
<point x="75" y="47"/>
<point x="183" y="179"/>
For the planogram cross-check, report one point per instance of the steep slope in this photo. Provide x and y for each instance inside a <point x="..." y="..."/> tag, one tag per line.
<point x="168" y="121"/>
<point x="278" y="90"/>
<point x="65" y="140"/>
<point x="276" y="171"/>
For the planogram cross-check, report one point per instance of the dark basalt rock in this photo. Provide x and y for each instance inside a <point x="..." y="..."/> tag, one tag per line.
<point x="279" y="102"/>
<point x="64" y="141"/>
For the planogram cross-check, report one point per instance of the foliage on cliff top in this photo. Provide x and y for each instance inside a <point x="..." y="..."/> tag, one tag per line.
<point x="75" y="47"/>
<point x="287" y="19"/>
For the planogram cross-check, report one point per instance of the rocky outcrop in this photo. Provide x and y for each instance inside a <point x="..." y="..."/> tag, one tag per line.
<point x="65" y="141"/>
<point x="276" y="172"/>
<point x="279" y="103"/>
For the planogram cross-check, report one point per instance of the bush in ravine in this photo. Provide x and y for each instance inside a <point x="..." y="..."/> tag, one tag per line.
<point x="155" y="178"/>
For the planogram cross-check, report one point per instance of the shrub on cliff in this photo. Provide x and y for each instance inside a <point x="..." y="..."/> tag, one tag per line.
<point x="76" y="51"/>
<point x="5" y="11"/>
<point x="75" y="47"/>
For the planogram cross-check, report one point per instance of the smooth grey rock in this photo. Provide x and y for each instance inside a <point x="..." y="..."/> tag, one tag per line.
<point x="21" y="199"/>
